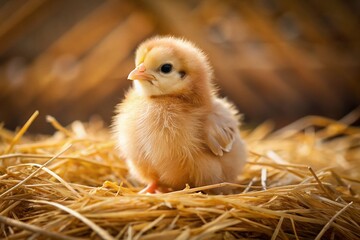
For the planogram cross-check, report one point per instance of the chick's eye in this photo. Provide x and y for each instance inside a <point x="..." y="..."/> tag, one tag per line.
<point x="166" y="68"/>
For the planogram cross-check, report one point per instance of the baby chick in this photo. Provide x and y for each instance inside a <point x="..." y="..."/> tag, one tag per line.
<point x="171" y="127"/>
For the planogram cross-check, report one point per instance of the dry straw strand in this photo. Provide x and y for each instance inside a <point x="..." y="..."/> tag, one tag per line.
<point x="57" y="177"/>
<point x="22" y="131"/>
<point x="35" y="229"/>
<point x="58" y="126"/>
<point x="100" y="231"/>
<point x="327" y="225"/>
<point x="65" y="148"/>
<point x="277" y="229"/>
<point x="294" y="228"/>
<point x="319" y="182"/>
<point x="149" y="226"/>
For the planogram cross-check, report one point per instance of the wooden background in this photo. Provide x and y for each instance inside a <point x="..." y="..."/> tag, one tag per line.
<point x="276" y="59"/>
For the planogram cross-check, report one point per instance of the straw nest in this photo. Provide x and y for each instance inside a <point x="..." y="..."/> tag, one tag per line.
<point x="300" y="182"/>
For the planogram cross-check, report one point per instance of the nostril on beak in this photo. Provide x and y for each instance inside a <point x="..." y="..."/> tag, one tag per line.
<point x="141" y="68"/>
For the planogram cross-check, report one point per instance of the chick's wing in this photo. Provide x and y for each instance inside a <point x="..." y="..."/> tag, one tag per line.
<point x="221" y="127"/>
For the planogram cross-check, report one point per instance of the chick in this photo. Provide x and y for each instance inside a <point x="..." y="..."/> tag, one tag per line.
<point x="171" y="128"/>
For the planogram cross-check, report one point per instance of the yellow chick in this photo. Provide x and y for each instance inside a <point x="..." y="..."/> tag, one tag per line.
<point x="171" y="128"/>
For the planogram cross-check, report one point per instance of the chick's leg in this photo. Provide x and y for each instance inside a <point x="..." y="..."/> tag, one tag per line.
<point x="150" y="188"/>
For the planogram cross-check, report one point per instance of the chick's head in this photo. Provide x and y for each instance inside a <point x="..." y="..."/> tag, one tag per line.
<point x="170" y="66"/>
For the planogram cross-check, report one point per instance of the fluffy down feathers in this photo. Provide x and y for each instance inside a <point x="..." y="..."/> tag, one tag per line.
<point x="171" y="127"/>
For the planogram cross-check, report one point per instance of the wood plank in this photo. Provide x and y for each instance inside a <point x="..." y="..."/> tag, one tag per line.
<point x="342" y="19"/>
<point x="294" y="56"/>
<point x="18" y="21"/>
<point x="7" y="8"/>
<point x="86" y="34"/>
<point x="324" y="46"/>
<point x="261" y="64"/>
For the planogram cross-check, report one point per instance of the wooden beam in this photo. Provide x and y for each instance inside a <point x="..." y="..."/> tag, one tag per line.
<point x="15" y="24"/>
<point x="322" y="95"/>
<point x="76" y="42"/>
<point x="326" y="49"/>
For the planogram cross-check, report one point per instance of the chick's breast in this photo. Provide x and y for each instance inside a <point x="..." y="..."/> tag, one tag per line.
<point x="160" y="140"/>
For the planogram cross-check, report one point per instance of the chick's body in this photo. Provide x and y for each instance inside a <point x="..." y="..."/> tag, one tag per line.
<point x="171" y="127"/>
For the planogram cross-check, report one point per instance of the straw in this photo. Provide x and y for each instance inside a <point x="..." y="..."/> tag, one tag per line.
<point x="297" y="184"/>
<point x="35" y="172"/>
<point x="35" y="229"/>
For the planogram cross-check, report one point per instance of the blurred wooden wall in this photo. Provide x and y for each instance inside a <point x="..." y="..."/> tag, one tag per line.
<point x="276" y="59"/>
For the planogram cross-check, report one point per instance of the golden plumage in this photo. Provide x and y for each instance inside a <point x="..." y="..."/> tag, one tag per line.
<point x="171" y="127"/>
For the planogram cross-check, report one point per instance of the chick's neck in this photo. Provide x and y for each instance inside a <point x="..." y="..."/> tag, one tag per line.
<point x="197" y="96"/>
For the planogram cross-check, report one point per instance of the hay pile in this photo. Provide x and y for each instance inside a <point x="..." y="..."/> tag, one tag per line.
<point x="301" y="182"/>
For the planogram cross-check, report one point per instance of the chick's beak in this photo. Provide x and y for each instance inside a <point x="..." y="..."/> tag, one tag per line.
<point x="139" y="73"/>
